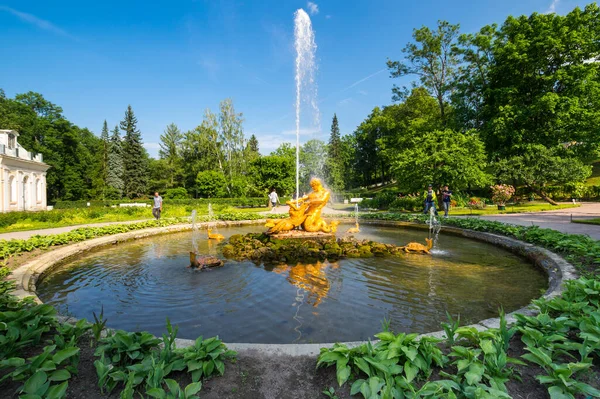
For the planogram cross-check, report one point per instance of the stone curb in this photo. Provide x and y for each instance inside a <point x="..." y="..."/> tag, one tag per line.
<point x="557" y="269"/>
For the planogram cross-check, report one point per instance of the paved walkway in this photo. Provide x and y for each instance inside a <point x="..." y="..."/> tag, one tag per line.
<point x="559" y="219"/>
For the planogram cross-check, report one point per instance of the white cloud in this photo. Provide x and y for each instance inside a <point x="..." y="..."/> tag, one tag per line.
<point x="313" y="8"/>
<point x="327" y="16"/>
<point x="552" y="7"/>
<point x="345" y="101"/>
<point x="37" y="22"/>
<point x="362" y="92"/>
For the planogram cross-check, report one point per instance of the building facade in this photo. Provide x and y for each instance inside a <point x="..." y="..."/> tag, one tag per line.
<point x="22" y="176"/>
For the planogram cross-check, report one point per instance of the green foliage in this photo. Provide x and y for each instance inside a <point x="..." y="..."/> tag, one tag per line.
<point x="334" y="161"/>
<point x="205" y="358"/>
<point x="433" y="58"/>
<point x="176" y="193"/>
<point x="135" y="157"/>
<point x="211" y="183"/>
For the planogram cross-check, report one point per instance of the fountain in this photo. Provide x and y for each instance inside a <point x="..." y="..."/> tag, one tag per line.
<point x="200" y="261"/>
<point x="356" y="228"/>
<point x="306" y="88"/>
<point x="213" y="233"/>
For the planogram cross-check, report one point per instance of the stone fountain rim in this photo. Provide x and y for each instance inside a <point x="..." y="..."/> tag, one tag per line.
<point x="556" y="268"/>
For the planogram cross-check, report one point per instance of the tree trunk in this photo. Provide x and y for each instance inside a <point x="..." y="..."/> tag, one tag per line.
<point x="546" y="198"/>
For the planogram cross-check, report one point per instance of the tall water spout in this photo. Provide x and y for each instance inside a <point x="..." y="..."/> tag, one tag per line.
<point x="306" y="88"/>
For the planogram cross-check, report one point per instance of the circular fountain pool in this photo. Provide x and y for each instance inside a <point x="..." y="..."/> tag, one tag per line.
<point x="141" y="283"/>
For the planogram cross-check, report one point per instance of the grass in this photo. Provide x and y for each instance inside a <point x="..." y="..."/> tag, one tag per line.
<point x="521" y="208"/>
<point x="594" y="179"/>
<point x="587" y="221"/>
<point x="74" y="217"/>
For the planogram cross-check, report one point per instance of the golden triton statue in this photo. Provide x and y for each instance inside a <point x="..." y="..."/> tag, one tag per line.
<point x="306" y="212"/>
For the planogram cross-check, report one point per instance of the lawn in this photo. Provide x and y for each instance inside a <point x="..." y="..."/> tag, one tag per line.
<point x="587" y="221"/>
<point x="21" y="221"/>
<point x="594" y="179"/>
<point x="521" y="208"/>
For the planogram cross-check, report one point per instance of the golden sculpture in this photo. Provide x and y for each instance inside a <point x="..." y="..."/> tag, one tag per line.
<point x="214" y="236"/>
<point x="415" y="247"/>
<point x="354" y="230"/>
<point x="306" y="212"/>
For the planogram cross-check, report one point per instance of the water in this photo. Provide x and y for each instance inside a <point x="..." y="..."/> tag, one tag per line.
<point x="195" y="233"/>
<point x="306" y="87"/>
<point x="434" y="228"/>
<point x="141" y="283"/>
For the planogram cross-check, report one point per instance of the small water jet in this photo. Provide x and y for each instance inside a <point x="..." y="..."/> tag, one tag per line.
<point x="212" y="231"/>
<point x="356" y="228"/>
<point x="200" y="261"/>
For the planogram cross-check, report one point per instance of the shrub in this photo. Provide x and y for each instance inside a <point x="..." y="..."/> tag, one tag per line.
<point x="407" y="204"/>
<point x="502" y="193"/>
<point x="176" y="193"/>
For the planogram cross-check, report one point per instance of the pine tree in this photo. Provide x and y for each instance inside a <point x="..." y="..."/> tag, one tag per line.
<point x="334" y="164"/>
<point x="114" y="171"/>
<point x="104" y="157"/>
<point x="251" y="151"/>
<point x="170" y="151"/>
<point x="135" y="165"/>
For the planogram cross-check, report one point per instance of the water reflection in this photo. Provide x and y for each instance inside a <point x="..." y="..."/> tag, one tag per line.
<point x="141" y="283"/>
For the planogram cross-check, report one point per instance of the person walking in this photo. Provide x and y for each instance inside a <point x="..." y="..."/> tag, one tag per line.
<point x="157" y="208"/>
<point x="446" y="196"/>
<point x="430" y="199"/>
<point x="274" y="198"/>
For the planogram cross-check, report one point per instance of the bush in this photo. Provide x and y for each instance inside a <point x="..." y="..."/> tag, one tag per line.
<point x="381" y="200"/>
<point x="176" y="193"/>
<point x="407" y="204"/>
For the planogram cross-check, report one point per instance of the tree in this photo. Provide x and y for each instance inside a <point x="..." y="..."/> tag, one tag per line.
<point x="274" y="171"/>
<point x="538" y="167"/>
<point x="442" y="157"/>
<point x="251" y="152"/>
<point x="114" y="172"/>
<point x="231" y="135"/>
<point x="170" y="151"/>
<point x="539" y="83"/>
<point x="433" y="58"/>
<point x="104" y="157"/>
<point x="334" y="164"/>
<point x="135" y="158"/>
<point x="210" y="184"/>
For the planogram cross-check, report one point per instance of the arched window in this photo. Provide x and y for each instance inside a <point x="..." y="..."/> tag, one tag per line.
<point x="12" y="142"/>
<point x="13" y="189"/>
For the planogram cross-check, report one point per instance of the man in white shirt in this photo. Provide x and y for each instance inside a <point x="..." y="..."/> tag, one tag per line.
<point x="274" y="198"/>
<point x="157" y="208"/>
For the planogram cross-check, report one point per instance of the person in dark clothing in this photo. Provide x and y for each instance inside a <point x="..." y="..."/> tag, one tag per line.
<point x="446" y="196"/>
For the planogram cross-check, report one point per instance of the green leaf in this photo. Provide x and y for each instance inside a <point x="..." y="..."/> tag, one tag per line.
<point x="35" y="382"/>
<point x="356" y="386"/>
<point x="57" y="391"/>
<point x="173" y="386"/>
<point x="410" y="371"/>
<point x="558" y="393"/>
<point x="473" y="376"/>
<point x="193" y="389"/>
<point x="342" y="374"/>
<point x="157" y="393"/>
<point x="12" y="362"/>
<point x="60" y="356"/>
<point x="59" y="375"/>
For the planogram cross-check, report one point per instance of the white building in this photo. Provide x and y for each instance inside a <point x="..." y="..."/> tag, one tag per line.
<point x="22" y="176"/>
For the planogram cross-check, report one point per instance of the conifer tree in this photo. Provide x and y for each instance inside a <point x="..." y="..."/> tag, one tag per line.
<point x="334" y="164"/>
<point x="114" y="170"/>
<point x="104" y="157"/>
<point x="170" y="151"/>
<point x="135" y="163"/>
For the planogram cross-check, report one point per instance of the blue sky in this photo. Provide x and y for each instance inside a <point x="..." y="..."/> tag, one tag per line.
<point x="171" y="60"/>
